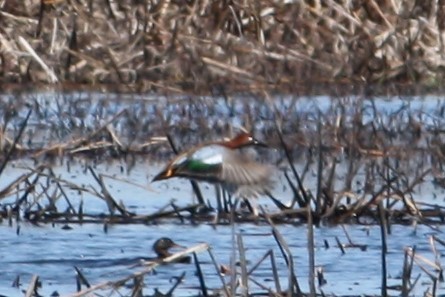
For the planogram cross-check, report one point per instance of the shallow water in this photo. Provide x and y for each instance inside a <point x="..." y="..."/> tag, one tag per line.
<point x="51" y="252"/>
<point x="63" y="117"/>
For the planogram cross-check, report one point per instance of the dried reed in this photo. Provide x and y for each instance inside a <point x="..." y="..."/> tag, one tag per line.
<point x="200" y="45"/>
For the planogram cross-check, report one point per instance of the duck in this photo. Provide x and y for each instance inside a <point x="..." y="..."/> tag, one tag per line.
<point x="161" y="248"/>
<point x="222" y="163"/>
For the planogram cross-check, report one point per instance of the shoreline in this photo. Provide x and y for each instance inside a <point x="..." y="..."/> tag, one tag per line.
<point x="323" y="89"/>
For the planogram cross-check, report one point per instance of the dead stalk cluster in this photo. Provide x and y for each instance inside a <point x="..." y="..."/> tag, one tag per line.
<point x="200" y="45"/>
<point x="367" y="162"/>
<point x="362" y="156"/>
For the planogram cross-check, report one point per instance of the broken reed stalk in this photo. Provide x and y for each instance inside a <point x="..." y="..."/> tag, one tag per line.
<point x="81" y="279"/>
<point x="293" y="287"/>
<point x="269" y="254"/>
<point x="437" y="256"/>
<point x="22" y="179"/>
<point x="434" y="289"/>
<point x="311" y="251"/>
<point x="138" y="285"/>
<point x="274" y="268"/>
<point x="243" y="266"/>
<point x="32" y="287"/>
<point x="233" y="275"/>
<point x="421" y="261"/>
<point x="24" y="43"/>
<point x="178" y="281"/>
<point x="277" y="119"/>
<point x="12" y="148"/>
<point x="318" y="204"/>
<point x="348" y="237"/>
<point x="351" y="160"/>
<point x="218" y="272"/>
<point x="330" y="185"/>
<point x="277" y="202"/>
<point x="340" y="245"/>
<point x="389" y="182"/>
<point x="96" y="132"/>
<point x="296" y="196"/>
<point x="59" y="186"/>
<point x="219" y="202"/>
<point x="111" y="203"/>
<point x="407" y="271"/>
<point x="266" y="288"/>
<point x="200" y="275"/>
<point x="178" y="213"/>
<point x="384" y="249"/>
<point x="292" y="166"/>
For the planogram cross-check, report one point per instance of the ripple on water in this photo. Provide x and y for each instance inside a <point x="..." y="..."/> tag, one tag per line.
<point x="51" y="253"/>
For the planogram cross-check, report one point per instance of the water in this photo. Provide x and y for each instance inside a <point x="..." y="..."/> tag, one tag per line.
<point x="51" y="251"/>
<point x="62" y="117"/>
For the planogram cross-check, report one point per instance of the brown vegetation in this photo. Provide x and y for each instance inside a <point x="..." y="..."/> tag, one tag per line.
<point x="197" y="46"/>
<point x="390" y="155"/>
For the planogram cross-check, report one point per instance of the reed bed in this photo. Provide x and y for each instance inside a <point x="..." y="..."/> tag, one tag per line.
<point x="251" y="49"/>
<point x="203" y="46"/>
<point x="385" y="156"/>
<point x="395" y="152"/>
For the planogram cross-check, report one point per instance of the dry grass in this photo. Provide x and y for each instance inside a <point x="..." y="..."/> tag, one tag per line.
<point x="197" y="46"/>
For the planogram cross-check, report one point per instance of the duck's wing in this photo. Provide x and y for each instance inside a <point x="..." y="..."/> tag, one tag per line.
<point x="240" y="171"/>
<point x="203" y="164"/>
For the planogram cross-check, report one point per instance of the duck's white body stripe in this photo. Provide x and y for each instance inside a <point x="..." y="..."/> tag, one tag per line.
<point x="215" y="159"/>
<point x="211" y="154"/>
